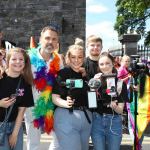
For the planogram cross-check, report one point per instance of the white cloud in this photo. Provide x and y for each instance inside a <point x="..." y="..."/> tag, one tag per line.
<point x="96" y="9"/>
<point x="88" y="1"/>
<point x="106" y="32"/>
<point x="101" y="28"/>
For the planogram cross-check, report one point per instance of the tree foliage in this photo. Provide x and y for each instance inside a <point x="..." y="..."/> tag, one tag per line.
<point x="132" y="15"/>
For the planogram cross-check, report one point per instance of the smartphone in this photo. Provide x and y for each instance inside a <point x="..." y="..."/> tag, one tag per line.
<point x="111" y="86"/>
<point x="74" y="83"/>
<point x="13" y="96"/>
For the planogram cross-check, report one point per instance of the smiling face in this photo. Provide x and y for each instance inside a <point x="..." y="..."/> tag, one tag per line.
<point x="94" y="48"/>
<point x="49" y="41"/>
<point x="75" y="57"/>
<point x="16" y="63"/>
<point x="125" y="61"/>
<point x="105" y="65"/>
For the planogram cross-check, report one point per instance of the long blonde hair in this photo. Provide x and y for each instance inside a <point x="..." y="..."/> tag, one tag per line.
<point x="26" y="73"/>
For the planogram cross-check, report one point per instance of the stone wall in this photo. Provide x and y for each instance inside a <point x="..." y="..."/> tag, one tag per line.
<point x="19" y="20"/>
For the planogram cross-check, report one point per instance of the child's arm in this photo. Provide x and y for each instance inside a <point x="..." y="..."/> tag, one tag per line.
<point x="13" y="137"/>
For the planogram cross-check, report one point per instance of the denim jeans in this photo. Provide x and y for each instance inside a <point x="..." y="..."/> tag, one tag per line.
<point x="106" y="131"/>
<point x="72" y="129"/>
<point x="19" y="144"/>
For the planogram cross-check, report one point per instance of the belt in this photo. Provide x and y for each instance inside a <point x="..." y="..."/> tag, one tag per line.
<point x="82" y="108"/>
<point x="105" y="114"/>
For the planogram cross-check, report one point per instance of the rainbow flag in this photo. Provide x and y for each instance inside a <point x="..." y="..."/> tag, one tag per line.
<point x="143" y="117"/>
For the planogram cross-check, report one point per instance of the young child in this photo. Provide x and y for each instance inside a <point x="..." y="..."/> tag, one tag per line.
<point x="18" y="70"/>
<point x="107" y="120"/>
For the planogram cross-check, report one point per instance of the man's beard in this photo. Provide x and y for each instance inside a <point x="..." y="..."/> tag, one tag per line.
<point x="49" y="48"/>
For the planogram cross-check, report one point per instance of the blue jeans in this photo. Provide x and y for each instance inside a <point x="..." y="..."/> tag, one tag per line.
<point x="106" y="131"/>
<point x="72" y="129"/>
<point x="19" y="144"/>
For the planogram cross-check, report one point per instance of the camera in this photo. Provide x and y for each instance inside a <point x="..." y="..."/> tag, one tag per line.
<point x="111" y="87"/>
<point x="74" y="83"/>
<point x="136" y="66"/>
<point x="94" y="83"/>
<point x="13" y="96"/>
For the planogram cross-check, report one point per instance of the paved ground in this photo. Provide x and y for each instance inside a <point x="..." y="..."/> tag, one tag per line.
<point x="126" y="142"/>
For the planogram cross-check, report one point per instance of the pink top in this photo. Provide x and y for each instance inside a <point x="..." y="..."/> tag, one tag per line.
<point x="123" y="73"/>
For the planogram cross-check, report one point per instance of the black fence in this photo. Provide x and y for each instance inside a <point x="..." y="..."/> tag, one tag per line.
<point x="144" y="52"/>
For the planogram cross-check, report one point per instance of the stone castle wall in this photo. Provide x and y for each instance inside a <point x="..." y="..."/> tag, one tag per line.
<point x="19" y="20"/>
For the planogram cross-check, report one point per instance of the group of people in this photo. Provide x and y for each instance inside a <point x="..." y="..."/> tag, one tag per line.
<point x="48" y="85"/>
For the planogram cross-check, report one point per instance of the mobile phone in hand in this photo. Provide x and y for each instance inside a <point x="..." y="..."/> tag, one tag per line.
<point x="13" y="96"/>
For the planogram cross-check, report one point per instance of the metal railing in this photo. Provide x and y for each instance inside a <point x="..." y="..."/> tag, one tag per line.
<point x="144" y="52"/>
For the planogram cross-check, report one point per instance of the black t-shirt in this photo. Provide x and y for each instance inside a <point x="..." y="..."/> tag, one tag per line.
<point x="104" y="99"/>
<point x="91" y="67"/>
<point x="8" y="86"/>
<point x="79" y="94"/>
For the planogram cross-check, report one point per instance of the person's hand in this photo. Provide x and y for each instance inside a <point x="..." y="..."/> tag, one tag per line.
<point x="13" y="140"/>
<point x="69" y="102"/>
<point x="83" y="71"/>
<point x="113" y="104"/>
<point x="136" y="88"/>
<point x="129" y="76"/>
<point x="6" y="102"/>
<point x="98" y="76"/>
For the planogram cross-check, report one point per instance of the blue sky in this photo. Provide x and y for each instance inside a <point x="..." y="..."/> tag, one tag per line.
<point x="100" y="19"/>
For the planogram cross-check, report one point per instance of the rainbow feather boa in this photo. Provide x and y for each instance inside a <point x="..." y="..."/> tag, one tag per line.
<point x="43" y="82"/>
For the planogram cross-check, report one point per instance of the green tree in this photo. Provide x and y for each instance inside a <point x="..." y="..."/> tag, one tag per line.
<point x="132" y="15"/>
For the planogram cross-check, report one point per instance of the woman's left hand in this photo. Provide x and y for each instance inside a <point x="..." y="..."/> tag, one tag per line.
<point x="82" y="71"/>
<point x="13" y="140"/>
<point x="117" y="107"/>
<point x="113" y="104"/>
